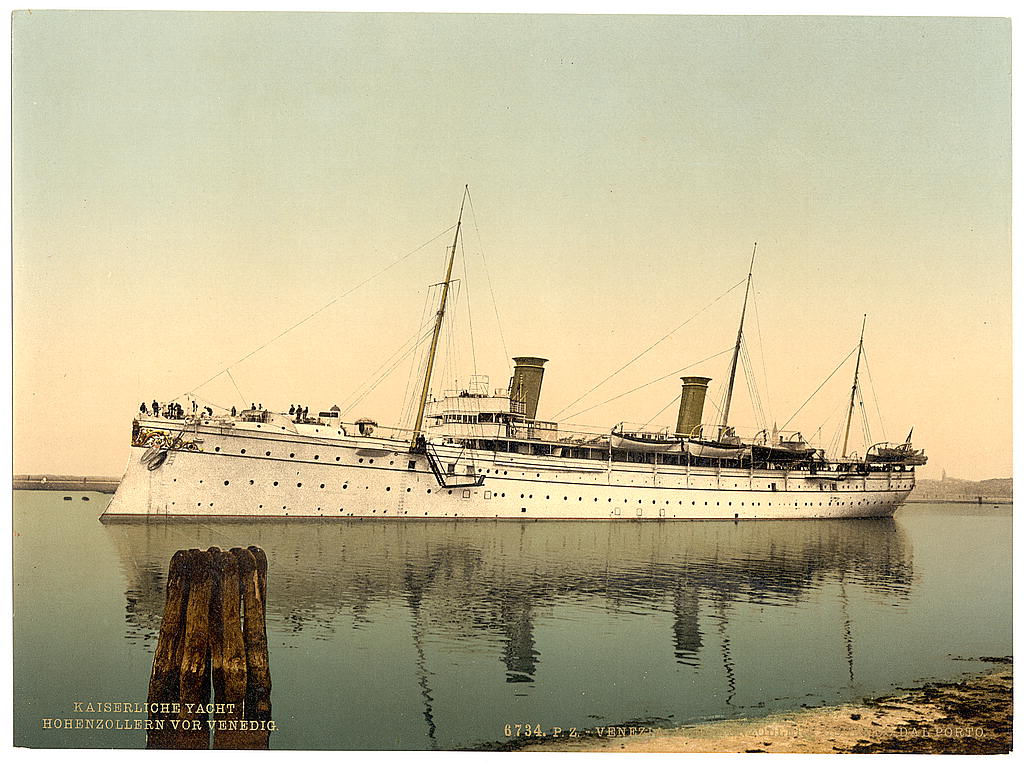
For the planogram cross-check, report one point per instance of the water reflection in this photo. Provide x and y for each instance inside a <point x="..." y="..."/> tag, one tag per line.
<point x="490" y="580"/>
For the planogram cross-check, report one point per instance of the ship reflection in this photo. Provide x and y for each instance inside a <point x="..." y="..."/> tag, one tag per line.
<point x="494" y="581"/>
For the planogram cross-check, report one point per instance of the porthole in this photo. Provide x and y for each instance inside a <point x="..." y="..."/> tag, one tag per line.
<point x="344" y="485"/>
<point x="387" y="488"/>
<point x="337" y="458"/>
<point x="321" y="485"/>
<point x="251" y="482"/>
<point x="291" y="456"/>
<point x="242" y="451"/>
<point x="268" y="453"/>
<point x="216" y="448"/>
<point x="275" y="482"/>
<point x="298" y="485"/>
<point x="316" y="456"/>
<point x="226" y="483"/>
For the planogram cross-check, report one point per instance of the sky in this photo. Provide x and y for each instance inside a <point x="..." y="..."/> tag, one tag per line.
<point x="188" y="186"/>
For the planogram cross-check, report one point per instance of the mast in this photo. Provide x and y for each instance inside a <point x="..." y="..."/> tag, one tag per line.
<point x="438" y="321"/>
<point x="736" y="350"/>
<point x="853" y="391"/>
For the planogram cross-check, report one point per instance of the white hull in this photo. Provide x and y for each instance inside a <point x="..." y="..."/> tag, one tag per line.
<point x="289" y="475"/>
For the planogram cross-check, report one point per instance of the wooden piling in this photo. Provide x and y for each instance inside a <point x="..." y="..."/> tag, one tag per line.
<point x="229" y="663"/>
<point x="213" y="631"/>
<point x="165" y="677"/>
<point x="252" y="570"/>
<point x="195" y="657"/>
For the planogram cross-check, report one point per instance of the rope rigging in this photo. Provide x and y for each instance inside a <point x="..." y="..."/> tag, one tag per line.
<point x="654" y="381"/>
<point x="874" y="395"/>
<point x="760" y="344"/>
<point x="416" y="339"/>
<point x="645" y="351"/>
<point x="323" y="308"/>
<point x="490" y="286"/>
<point x="830" y="375"/>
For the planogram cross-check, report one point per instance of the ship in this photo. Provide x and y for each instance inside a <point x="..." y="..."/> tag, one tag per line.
<point x="479" y="453"/>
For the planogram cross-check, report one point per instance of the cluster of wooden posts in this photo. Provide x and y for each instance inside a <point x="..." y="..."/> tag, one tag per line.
<point x="213" y="634"/>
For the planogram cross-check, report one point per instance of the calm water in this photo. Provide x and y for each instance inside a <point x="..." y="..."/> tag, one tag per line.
<point x="391" y="635"/>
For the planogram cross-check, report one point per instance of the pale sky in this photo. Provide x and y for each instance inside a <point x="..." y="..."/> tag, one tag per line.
<point x="188" y="186"/>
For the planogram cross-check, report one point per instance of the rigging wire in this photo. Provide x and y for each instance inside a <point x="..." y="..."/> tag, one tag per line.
<point x="451" y="367"/>
<point x="830" y="375"/>
<point x="490" y="286"/>
<point x="831" y="416"/>
<point x="755" y="394"/>
<point x="383" y="366"/>
<point x="226" y="370"/>
<point x="864" y="418"/>
<point x="874" y="394"/>
<point x="415" y="368"/>
<point x="642" y="386"/>
<point x="671" y="402"/>
<point x="764" y="369"/>
<point x="423" y="337"/>
<point x="318" y="311"/>
<point x="469" y="306"/>
<point x="833" y="446"/>
<point x="645" y="351"/>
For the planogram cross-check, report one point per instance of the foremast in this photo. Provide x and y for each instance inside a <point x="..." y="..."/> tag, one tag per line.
<point x="736" y="350"/>
<point x="417" y="431"/>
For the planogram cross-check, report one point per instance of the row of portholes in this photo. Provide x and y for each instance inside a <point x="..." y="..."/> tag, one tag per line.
<point x="580" y="499"/>
<point x="316" y="457"/>
<point x="322" y="485"/>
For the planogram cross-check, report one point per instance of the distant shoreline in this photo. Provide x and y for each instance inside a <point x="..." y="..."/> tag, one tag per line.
<point x="101" y="484"/>
<point x="967" y="501"/>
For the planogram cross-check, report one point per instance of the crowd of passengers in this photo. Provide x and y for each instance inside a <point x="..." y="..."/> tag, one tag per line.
<point x="174" y="410"/>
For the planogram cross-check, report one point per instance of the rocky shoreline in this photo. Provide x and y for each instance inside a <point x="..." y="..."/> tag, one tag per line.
<point x="970" y="716"/>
